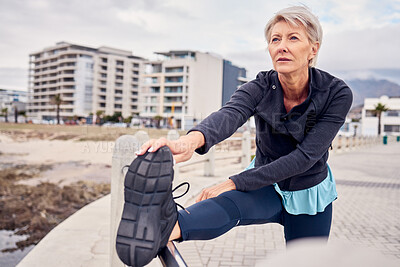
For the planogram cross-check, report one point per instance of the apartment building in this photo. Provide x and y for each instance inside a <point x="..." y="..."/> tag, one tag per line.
<point x="13" y="100"/>
<point x="186" y="86"/>
<point x="87" y="79"/>
<point x="390" y="120"/>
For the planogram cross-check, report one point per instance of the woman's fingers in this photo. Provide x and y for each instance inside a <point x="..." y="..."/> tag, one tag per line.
<point x="152" y="145"/>
<point x="216" y="190"/>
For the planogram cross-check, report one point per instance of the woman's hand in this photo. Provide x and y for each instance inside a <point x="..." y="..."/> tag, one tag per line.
<point x="182" y="149"/>
<point x="216" y="190"/>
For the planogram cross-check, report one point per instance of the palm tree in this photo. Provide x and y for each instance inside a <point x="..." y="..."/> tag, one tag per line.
<point x="4" y="111"/>
<point x="99" y="115"/>
<point x="379" y="108"/>
<point x="16" y="114"/>
<point x="23" y="114"/>
<point x="56" y="100"/>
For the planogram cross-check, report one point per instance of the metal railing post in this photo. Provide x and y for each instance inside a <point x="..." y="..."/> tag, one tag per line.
<point x="170" y="256"/>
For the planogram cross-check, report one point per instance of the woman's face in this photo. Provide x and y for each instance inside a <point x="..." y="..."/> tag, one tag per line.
<point x="290" y="48"/>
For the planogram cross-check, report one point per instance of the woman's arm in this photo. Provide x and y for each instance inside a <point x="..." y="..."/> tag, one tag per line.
<point x="216" y="127"/>
<point x="221" y="124"/>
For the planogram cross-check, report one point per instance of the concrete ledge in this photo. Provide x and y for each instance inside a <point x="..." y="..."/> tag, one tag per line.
<point x="80" y="240"/>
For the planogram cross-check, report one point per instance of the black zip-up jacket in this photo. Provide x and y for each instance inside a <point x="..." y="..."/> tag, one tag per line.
<point x="292" y="148"/>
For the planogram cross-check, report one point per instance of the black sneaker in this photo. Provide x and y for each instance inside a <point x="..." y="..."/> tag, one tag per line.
<point x="149" y="213"/>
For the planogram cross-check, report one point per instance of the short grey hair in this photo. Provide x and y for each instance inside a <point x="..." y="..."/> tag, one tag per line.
<point x="296" y="16"/>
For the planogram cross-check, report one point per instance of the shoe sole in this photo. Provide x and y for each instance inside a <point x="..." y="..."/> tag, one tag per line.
<point x="148" y="183"/>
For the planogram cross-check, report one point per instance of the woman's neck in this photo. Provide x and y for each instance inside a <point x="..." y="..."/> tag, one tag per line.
<point x="294" y="85"/>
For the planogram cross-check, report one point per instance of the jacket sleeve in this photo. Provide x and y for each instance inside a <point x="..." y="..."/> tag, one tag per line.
<point x="307" y="153"/>
<point x="223" y="123"/>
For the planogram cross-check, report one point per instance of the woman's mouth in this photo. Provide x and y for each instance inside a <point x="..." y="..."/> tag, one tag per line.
<point x="283" y="59"/>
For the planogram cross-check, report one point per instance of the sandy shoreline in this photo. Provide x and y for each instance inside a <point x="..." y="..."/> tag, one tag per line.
<point x="42" y="182"/>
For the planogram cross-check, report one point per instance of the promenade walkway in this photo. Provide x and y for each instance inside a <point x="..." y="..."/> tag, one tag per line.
<point x="366" y="214"/>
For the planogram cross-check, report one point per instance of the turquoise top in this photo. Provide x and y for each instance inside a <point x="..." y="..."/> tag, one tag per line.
<point x="308" y="201"/>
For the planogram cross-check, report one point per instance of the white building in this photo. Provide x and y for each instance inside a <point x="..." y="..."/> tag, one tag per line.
<point x="390" y="120"/>
<point x="188" y="85"/>
<point x="87" y="79"/>
<point x="14" y="100"/>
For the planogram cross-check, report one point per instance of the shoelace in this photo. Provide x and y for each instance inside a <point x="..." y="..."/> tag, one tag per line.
<point x="187" y="190"/>
<point x="173" y="190"/>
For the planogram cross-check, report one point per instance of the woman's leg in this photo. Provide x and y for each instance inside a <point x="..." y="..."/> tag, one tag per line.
<point x="213" y="217"/>
<point x="303" y="225"/>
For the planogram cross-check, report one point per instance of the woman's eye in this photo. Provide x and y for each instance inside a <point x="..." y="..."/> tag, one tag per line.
<point x="275" y="40"/>
<point x="294" y="38"/>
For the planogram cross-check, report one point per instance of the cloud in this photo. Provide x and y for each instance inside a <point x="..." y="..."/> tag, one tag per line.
<point x="357" y="32"/>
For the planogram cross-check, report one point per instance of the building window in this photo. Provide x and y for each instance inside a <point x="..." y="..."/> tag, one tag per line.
<point x="174" y="69"/>
<point x="120" y="63"/>
<point x="370" y="113"/>
<point x="118" y="98"/>
<point x="177" y="79"/>
<point x="391" y="128"/>
<point x="117" y="106"/>
<point x="118" y="92"/>
<point x="170" y="99"/>
<point x="104" y="60"/>
<point x="393" y="113"/>
<point x="119" y="77"/>
<point x="173" y="89"/>
<point x="135" y="65"/>
<point x="120" y="70"/>
<point x="155" y="89"/>
<point x="169" y="110"/>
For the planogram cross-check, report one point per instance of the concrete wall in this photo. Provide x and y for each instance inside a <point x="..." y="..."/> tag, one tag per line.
<point x="205" y="94"/>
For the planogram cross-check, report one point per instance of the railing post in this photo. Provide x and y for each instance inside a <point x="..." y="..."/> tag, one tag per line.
<point x="174" y="135"/>
<point x="124" y="154"/>
<point x="209" y="165"/>
<point x="246" y="149"/>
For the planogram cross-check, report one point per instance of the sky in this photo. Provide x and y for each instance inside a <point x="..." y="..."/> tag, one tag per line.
<point x="358" y="34"/>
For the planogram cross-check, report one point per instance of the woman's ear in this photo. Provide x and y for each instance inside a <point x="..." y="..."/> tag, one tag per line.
<point x="314" y="50"/>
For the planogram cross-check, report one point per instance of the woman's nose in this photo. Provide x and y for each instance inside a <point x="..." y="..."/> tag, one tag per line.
<point x="282" y="48"/>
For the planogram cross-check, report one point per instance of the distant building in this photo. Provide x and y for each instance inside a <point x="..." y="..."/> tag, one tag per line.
<point x="390" y="120"/>
<point x="188" y="86"/>
<point x="87" y="79"/>
<point x="14" y="100"/>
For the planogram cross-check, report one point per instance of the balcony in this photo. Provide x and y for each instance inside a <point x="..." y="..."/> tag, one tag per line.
<point x="174" y="79"/>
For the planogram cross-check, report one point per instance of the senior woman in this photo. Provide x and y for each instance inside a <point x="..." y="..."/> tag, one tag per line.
<point x="298" y="110"/>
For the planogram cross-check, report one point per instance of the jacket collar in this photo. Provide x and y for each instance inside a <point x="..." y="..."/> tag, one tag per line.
<point x="271" y="108"/>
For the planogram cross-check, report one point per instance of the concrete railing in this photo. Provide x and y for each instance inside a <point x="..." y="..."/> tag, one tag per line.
<point x="345" y="143"/>
<point x="124" y="154"/>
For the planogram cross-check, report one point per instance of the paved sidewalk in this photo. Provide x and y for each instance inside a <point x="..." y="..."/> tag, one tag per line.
<point x="366" y="214"/>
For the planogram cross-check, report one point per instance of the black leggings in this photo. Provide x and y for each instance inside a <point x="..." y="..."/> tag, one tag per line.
<point x="213" y="217"/>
